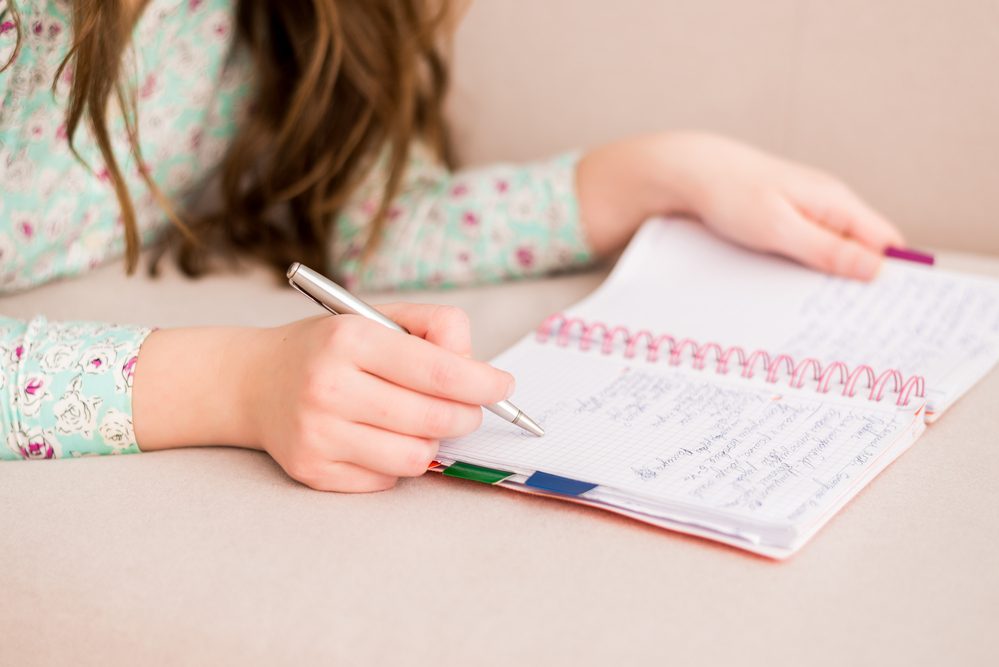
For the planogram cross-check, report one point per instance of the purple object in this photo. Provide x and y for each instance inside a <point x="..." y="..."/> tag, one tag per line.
<point x="910" y="255"/>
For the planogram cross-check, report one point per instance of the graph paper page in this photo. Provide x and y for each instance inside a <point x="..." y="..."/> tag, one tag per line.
<point x="678" y="278"/>
<point x="693" y="439"/>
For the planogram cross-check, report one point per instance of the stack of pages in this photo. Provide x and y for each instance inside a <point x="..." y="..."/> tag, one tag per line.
<point x="732" y="395"/>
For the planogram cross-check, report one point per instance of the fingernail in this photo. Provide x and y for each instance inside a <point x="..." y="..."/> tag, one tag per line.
<point x="510" y="389"/>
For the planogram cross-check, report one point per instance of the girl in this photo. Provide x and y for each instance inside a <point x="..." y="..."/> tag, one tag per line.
<point x="321" y="121"/>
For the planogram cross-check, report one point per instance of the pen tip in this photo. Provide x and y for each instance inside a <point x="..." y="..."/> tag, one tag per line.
<point x="292" y="269"/>
<point x="529" y="425"/>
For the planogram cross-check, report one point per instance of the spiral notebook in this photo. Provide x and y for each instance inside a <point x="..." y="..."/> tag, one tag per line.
<point x="732" y="395"/>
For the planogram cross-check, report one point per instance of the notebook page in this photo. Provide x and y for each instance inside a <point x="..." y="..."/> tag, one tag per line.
<point x="678" y="278"/>
<point x="708" y="447"/>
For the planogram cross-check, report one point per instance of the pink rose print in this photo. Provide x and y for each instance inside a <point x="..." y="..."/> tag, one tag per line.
<point x="98" y="358"/>
<point x="469" y="219"/>
<point x="32" y="391"/>
<point x="219" y="24"/>
<point x="502" y="186"/>
<point x="459" y="190"/>
<point x="124" y="382"/>
<point x="6" y="27"/>
<point x="148" y="87"/>
<point x="34" y="445"/>
<point x="525" y="257"/>
<point x="26" y="229"/>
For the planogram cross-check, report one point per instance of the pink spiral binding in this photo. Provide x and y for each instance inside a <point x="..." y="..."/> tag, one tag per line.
<point x="679" y="350"/>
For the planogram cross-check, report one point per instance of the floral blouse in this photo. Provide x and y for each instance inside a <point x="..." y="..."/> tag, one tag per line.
<point x="65" y="387"/>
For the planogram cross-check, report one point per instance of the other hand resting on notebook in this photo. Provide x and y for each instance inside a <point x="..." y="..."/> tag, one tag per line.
<point x="743" y="194"/>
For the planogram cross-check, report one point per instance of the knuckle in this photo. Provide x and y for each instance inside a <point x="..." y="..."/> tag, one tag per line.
<point x="834" y="257"/>
<point x="304" y="468"/>
<point x="451" y="328"/>
<point x="443" y="374"/>
<point x="502" y="385"/>
<point x="324" y="389"/>
<point x="347" y="334"/>
<point x="471" y="420"/>
<point x="438" y="418"/>
<point x="419" y="457"/>
<point x="763" y="197"/>
<point x="452" y="317"/>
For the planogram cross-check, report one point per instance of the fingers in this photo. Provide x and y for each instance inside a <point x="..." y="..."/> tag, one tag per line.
<point x="386" y="452"/>
<point x="814" y="245"/>
<point x="835" y="206"/>
<point x="444" y="326"/>
<point x="357" y="457"/>
<point x="344" y="478"/>
<point x="420" y="365"/>
<point x="383" y="404"/>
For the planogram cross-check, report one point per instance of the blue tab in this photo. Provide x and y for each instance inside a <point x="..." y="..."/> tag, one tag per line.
<point x="556" y="484"/>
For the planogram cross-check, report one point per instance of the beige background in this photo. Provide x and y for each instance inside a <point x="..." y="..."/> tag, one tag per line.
<point x="899" y="98"/>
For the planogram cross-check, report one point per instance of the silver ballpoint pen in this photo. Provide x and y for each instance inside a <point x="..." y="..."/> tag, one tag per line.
<point x="339" y="301"/>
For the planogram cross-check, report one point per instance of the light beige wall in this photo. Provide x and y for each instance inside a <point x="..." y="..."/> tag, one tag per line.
<point x="899" y="97"/>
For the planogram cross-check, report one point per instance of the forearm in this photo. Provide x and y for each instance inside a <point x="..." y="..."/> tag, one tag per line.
<point x="192" y="387"/>
<point x="623" y="183"/>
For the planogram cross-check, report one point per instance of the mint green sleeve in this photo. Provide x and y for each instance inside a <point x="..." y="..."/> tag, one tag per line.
<point x="66" y="388"/>
<point x="479" y="225"/>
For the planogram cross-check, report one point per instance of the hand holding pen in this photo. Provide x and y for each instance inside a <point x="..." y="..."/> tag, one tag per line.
<point x="341" y="403"/>
<point x="339" y="301"/>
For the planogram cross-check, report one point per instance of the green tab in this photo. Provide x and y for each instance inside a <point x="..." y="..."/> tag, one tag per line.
<point x="476" y="473"/>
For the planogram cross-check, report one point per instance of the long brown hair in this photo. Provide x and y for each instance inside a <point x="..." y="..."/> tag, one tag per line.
<point x="340" y="84"/>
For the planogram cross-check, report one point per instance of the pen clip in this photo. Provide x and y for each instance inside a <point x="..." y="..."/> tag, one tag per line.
<point x="323" y="305"/>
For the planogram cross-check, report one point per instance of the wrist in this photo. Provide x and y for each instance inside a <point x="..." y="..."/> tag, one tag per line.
<point x="623" y="184"/>
<point x="197" y="387"/>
